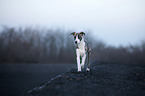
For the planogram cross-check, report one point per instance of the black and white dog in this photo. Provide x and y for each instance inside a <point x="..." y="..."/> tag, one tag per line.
<point x="82" y="51"/>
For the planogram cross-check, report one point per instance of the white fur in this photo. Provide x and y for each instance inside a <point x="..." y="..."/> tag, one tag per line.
<point x="77" y="39"/>
<point x="80" y="51"/>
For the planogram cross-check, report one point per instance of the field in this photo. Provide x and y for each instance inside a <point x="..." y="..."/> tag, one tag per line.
<point x="103" y="80"/>
<point x="17" y="79"/>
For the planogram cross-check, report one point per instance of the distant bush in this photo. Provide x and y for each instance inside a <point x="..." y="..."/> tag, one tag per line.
<point x="35" y="45"/>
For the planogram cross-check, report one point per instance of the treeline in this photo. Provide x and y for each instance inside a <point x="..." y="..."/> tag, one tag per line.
<point x="37" y="45"/>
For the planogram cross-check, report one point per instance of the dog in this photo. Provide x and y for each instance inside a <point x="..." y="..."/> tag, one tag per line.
<point x="83" y="50"/>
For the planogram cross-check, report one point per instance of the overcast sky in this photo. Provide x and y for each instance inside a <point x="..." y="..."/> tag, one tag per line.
<point x="117" y="22"/>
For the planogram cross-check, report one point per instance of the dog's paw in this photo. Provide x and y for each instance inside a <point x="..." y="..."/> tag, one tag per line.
<point x="79" y="69"/>
<point x="78" y="72"/>
<point x="88" y="70"/>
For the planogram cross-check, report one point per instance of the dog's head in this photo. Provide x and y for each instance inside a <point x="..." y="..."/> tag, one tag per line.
<point x="77" y="37"/>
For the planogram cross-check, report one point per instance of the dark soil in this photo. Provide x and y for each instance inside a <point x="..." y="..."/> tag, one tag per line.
<point x="17" y="79"/>
<point x="103" y="80"/>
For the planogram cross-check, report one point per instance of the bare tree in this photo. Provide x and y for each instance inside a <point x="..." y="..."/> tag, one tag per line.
<point x="34" y="45"/>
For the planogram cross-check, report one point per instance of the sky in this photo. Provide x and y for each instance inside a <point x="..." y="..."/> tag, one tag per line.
<point x="116" y="22"/>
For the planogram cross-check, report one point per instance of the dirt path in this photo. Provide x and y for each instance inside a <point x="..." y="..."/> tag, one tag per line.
<point x="103" y="80"/>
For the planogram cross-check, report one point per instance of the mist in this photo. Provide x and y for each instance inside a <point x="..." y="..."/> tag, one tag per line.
<point x="36" y="45"/>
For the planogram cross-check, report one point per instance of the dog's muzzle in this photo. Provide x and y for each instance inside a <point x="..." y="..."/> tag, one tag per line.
<point x="75" y="42"/>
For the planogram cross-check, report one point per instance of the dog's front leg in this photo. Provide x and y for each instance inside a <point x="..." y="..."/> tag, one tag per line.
<point x="78" y="64"/>
<point x="78" y="61"/>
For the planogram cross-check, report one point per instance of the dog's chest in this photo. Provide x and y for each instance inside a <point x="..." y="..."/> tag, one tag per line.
<point x="81" y="49"/>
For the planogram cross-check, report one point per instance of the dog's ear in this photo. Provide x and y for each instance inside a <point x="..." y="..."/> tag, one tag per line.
<point x="73" y="33"/>
<point x="82" y="33"/>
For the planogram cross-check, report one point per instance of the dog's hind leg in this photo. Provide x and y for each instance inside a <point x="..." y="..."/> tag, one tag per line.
<point x="88" y="63"/>
<point x="83" y="61"/>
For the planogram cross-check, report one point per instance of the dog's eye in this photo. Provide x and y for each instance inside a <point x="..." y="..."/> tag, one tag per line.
<point x="79" y="36"/>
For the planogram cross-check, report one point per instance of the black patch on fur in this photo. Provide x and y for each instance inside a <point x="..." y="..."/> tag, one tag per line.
<point x="75" y="37"/>
<point x="80" y="37"/>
